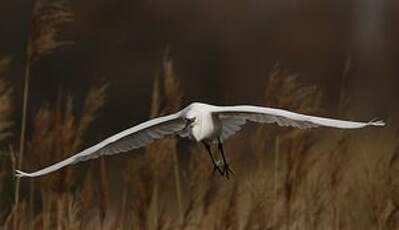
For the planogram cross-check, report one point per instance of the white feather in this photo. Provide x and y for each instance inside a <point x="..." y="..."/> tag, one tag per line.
<point x="202" y="122"/>
<point x="135" y="137"/>
<point x="287" y="118"/>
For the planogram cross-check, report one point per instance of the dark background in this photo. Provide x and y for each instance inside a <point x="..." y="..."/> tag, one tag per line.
<point x="223" y="52"/>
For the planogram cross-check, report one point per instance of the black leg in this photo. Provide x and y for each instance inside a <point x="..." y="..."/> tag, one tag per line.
<point x="215" y="166"/>
<point x="226" y="169"/>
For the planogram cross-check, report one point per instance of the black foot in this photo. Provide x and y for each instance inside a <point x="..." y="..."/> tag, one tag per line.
<point x="217" y="167"/>
<point x="227" y="171"/>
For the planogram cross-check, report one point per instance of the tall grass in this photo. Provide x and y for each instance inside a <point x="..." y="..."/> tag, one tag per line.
<point x="285" y="178"/>
<point x="48" y="19"/>
<point x="56" y="133"/>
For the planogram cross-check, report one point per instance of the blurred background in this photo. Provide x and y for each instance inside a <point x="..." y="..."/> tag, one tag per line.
<point x="220" y="52"/>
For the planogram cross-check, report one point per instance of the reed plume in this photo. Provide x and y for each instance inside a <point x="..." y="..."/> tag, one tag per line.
<point x="49" y="22"/>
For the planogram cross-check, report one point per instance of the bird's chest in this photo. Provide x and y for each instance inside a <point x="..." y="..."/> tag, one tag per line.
<point x="207" y="127"/>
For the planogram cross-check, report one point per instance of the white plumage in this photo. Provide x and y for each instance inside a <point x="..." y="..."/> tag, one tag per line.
<point x="204" y="123"/>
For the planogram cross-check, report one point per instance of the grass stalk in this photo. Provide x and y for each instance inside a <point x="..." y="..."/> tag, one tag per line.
<point x="178" y="187"/>
<point x="23" y="125"/>
<point x="276" y="176"/>
<point x="103" y="191"/>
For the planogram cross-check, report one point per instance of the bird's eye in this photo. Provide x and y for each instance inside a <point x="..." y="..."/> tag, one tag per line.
<point x="190" y="120"/>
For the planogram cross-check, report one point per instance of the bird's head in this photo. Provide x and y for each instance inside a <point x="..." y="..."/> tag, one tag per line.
<point x="190" y="117"/>
<point x="190" y="120"/>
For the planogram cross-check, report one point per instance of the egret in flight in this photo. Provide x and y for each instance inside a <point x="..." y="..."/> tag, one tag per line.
<point x="207" y="124"/>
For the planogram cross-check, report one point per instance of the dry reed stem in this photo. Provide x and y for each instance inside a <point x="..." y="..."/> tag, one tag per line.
<point x="103" y="191"/>
<point x="6" y="110"/>
<point x="48" y="18"/>
<point x="174" y="97"/>
<point x="148" y="209"/>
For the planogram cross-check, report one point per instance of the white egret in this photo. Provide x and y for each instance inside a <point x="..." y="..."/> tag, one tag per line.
<point x="204" y="123"/>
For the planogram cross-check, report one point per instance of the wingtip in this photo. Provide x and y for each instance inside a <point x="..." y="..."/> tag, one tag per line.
<point x="19" y="174"/>
<point x="377" y="123"/>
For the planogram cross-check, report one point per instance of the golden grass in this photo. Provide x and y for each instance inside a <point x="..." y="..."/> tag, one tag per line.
<point x="57" y="133"/>
<point x="285" y="178"/>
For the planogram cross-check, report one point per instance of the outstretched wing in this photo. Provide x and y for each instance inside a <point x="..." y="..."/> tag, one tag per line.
<point x="133" y="138"/>
<point x="231" y="125"/>
<point x="234" y="116"/>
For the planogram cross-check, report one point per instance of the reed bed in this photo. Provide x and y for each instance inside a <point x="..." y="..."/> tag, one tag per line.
<point x="285" y="178"/>
<point x="303" y="179"/>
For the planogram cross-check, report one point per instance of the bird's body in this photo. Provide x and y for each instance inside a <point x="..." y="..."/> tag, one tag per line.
<point x="205" y="126"/>
<point x="204" y="123"/>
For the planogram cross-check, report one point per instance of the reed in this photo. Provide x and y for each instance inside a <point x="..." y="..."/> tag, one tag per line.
<point x="47" y="22"/>
<point x="56" y="133"/>
<point x="288" y="178"/>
